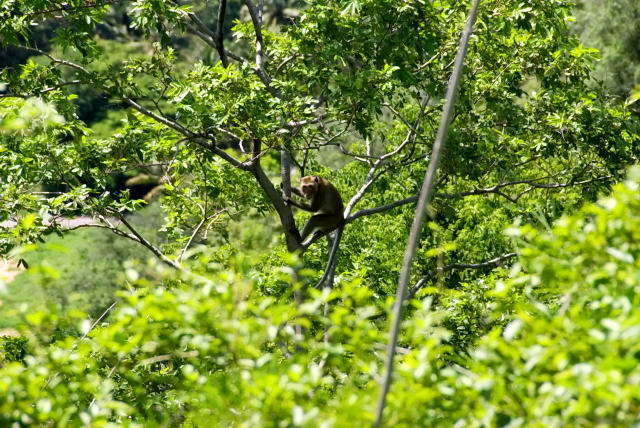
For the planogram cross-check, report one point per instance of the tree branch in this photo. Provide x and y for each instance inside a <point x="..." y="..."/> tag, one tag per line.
<point x="219" y="38"/>
<point x="66" y="8"/>
<point x="134" y="236"/>
<point x="148" y="244"/>
<point x="373" y="173"/>
<point x="332" y="258"/>
<point x="381" y="208"/>
<point x="256" y="18"/>
<point x="200" y="140"/>
<point x="196" y="230"/>
<point x="285" y="214"/>
<point x="493" y="189"/>
<point x="209" y="40"/>
<point x="495" y="262"/>
<point x="54" y="59"/>
<point x="424" y="199"/>
<point x="43" y="91"/>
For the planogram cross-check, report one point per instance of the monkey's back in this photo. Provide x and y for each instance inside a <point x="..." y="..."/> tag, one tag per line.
<point x="330" y="199"/>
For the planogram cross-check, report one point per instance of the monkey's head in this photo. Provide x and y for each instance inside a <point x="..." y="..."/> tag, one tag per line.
<point x="309" y="185"/>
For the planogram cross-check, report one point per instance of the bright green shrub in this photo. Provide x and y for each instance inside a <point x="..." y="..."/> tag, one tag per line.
<point x="12" y="349"/>
<point x="207" y="349"/>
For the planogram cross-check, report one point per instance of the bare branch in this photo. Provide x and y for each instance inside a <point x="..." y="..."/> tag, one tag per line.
<point x="493" y="189"/>
<point x="134" y="236"/>
<point x="61" y="84"/>
<point x="413" y="130"/>
<point x="214" y="39"/>
<point x="294" y="124"/>
<point x="209" y="39"/>
<point x="167" y="357"/>
<point x="400" y="116"/>
<point x="374" y="172"/>
<point x="219" y="37"/>
<point x="43" y="91"/>
<point x="200" y="140"/>
<point x="256" y="18"/>
<point x="100" y="318"/>
<point x="66" y="8"/>
<point x="291" y="232"/>
<point x="158" y="118"/>
<point x="382" y="208"/>
<point x="148" y="244"/>
<point x="285" y="172"/>
<point x="429" y="61"/>
<point x="371" y="177"/>
<point x="332" y="259"/>
<point x="534" y="185"/>
<point x="196" y="230"/>
<point x="495" y="262"/>
<point x="54" y="59"/>
<point x="285" y="62"/>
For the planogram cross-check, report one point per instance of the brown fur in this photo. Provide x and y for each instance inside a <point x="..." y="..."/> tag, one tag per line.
<point x="325" y="204"/>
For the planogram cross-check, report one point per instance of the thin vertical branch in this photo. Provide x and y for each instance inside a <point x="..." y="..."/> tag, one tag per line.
<point x="425" y="197"/>
<point x="256" y="18"/>
<point x="285" y="172"/>
<point x="219" y="34"/>
<point x="334" y="244"/>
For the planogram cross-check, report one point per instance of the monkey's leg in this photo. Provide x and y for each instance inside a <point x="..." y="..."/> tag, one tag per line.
<point x="316" y="235"/>
<point x="318" y="224"/>
<point x="309" y="227"/>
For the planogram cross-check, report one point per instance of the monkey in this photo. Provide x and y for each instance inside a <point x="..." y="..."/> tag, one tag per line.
<point x="326" y="205"/>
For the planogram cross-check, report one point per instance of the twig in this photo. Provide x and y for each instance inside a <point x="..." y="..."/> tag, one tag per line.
<point x="457" y="266"/>
<point x="285" y="62"/>
<point x="493" y="189"/>
<point x="54" y="59"/>
<point x="198" y="139"/>
<point x="196" y="231"/>
<point x="75" y="343"/>
<point x="148" y="244"/>
<point x="100" y="318"/>
<point x="43" y="91"/>
<point x="111" y="372"/>
<point x="66" y="8"/>
<point x="167" y="357"/>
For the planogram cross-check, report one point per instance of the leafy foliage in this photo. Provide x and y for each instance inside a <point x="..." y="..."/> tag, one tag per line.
<point x="209" y="347"/>
<point x="531" y="327"/>
<point x="619" y="68"/>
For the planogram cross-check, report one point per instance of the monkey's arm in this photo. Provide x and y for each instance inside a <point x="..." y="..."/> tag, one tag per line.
<point x="300" y="205"/>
